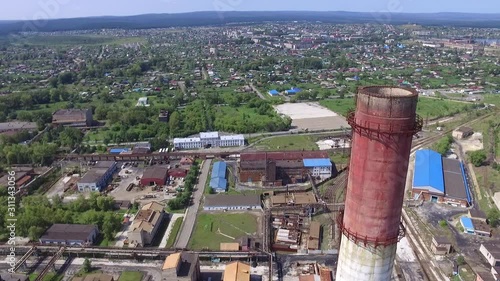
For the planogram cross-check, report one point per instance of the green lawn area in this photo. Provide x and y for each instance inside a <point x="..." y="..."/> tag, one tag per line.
<point x="434" y="108"/>
<point x="174" y="233"/>
<point x="105" y="243"/>
<point x="427" y="107"/>
<point x="180" y="211"/>
<point x="206" y="234"/>
<point x="80" y="274"/>
<point x="289" y="143"/>
<point x="465" y="271"/>
<point x="340" y="106"/>
<point x="491" y="175"/>
<point x="131" y="276"/>
<point x="340" y="159"/>
<point x="51" y="276"/>
<point x="492" y="99"/>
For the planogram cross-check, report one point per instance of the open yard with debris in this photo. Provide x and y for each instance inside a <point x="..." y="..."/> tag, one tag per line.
<point x="472" y="143"/>
<point x="213" y="229"/>
<point x="312" y="116"/>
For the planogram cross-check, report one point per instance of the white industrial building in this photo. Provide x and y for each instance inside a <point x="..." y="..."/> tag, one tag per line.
<point x="142" y="102"/>
<point x="209" y="139"/>
<point x="322" y="167"/>
<point x="97" y="177"/>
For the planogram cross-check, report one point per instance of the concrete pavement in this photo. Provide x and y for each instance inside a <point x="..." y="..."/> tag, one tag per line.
<point x="173" y="219"/>
<point x="192" y="211"/>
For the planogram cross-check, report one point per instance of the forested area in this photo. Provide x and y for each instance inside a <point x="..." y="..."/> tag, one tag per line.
<point x="41" y="152"/>
<point x="35" y="214"/>
<point x="183" y="199"/>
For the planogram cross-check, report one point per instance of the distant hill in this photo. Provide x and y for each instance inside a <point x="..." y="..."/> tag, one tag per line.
<point x="221" y="18"/>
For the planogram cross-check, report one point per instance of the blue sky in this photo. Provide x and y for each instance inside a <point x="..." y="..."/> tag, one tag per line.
<point x="36" y="9"/>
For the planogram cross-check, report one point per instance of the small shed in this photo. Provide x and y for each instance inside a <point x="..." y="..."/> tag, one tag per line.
<point x="273" y="93"/>
<point x="441" y="245"/>
<point x="467" y="225"/>
<point x="463" y="132"/>
<point x="119" y="150"/>
<point x="229" y="247"/>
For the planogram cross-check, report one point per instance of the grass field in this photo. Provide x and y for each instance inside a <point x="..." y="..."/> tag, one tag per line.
<point x="487" y="177"/>
<point x="340" y="158"/>
<point x="131" y="276"/>
<point x="426" y="107"/>
<point x="492" y="99"/>
<point x="289" y="143"/>
<point x="206" y="234"/>
<point x="51" y="276"/>
<point x="174" y="233"/>
<point x="340" y="106"/>
<point x="434" y="108"/>
<point x="170" y="211"/>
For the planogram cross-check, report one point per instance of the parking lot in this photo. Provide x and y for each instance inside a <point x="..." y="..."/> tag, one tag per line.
<point x="312" y="116"/>
<point x="132" y="175"/>
<point x="64" y="181"/>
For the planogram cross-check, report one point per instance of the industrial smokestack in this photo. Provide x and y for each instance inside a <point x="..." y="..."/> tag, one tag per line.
<point x="383" y="126"/>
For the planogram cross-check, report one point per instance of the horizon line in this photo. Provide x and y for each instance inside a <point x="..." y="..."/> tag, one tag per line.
<point x="250" y="11"/>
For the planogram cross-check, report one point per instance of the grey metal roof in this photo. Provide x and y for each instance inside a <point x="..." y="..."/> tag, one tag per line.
<point x="17" y="125"/>
<point x="231" y="200"/>
<point x="93" y="176"/>
<point x="453" y="179"/>
<point x="68" y="232"/>
<point x="104" y="164"/>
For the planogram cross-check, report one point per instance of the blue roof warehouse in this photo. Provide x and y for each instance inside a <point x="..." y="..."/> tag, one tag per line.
<point x="440" y="180"/>
<point x="218" y="181"/>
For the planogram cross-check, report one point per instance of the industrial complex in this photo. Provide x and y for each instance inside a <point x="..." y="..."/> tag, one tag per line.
<point x="281" y="168"/>
<point x="209" y="139"/>
<point x="239" y="210"/>
<point x="440" y="180"/>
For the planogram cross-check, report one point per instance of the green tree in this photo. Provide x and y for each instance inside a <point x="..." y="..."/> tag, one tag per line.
<point x="175" y="124"/>
<point x="477" y="158"/>
<point x="35" y="232"/>
<point x="101" y="112"/>
<point x="444" y="145"/>
<point x="87" y="266"/>
<point x="460" y="260"/>
<point x="494" y="217"/>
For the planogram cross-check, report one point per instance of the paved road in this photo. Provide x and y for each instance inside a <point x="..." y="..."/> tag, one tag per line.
<point x="192" y="211"/>
<point x="257" y="91"/>
<point x="182" y="86"/>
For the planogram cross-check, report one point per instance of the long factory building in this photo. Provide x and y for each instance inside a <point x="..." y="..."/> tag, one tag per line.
<point x="281" y="168"/>
<point x="440" y="180"/>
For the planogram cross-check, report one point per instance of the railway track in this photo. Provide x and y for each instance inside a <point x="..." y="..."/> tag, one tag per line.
<point x="423" y="257"/>
<point x="426" y="141"/>
<point x="114" y="251"/>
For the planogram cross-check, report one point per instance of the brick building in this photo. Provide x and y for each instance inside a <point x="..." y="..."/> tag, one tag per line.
<point x="73" y="117"/>
<point x="277" y="168"/>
